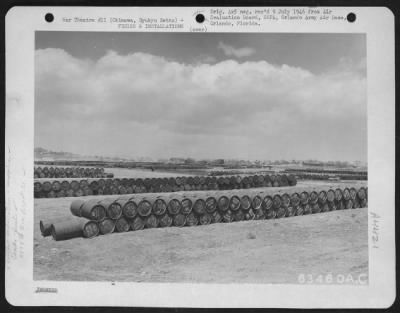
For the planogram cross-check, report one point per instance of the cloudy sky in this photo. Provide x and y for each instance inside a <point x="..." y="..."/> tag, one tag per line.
<point x="251" y="96"/>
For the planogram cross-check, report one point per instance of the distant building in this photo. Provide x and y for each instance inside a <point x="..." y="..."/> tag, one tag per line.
<point x="313" y="163"/>
<point x="217" y="162"/>
<point x="177" y="160"/>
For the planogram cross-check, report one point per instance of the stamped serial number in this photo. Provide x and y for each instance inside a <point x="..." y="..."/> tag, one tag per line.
<point x="329" y="278"/>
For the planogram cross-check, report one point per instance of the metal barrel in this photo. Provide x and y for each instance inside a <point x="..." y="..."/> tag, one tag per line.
<point x="315" y="208"/>
<point x="78" y="193"/>
<point x="151" y="221"/>
<point x="61" y="194"/>
<point x="338" y="194"/>
<point x="101" y="183"/>
<point x="165" y="221"/>
<point x="280" y="211"/>
<point x="283" y="180"/>
<point x="363" y="203"/>
<point x="353" y="194"/>
<point x="74" y="228"/>
<point x="234" y="203"/>
<point x="94" y="185"/>
<point x="304" y="198"/>
<point x="223" y="203"/>
<point x="129" y="207"/>
<point x="192" y="219"/>
<point x="289" y="211"/>
<point x="330" y="196"/>
<point x="159" y="207"/>
<point x="227" y="216"/>
<point x="76" y="206"/>
<point x="313" y="197"/>
<point x="92" y="210"/>
<point x="74" y="185"/>
<point x="245" y="202"/>
<point x="286" y="200"/>
<point x="199" y="206"/>
<point x="46" y="186"/>
<point x="216" y="217"/>
<point x="295" y="199"/>
<point x="56" y="186"/>
<point x="361" y="194"/>
<point x="260" y="214"/>
<point x="205" y="219"/>
<point x="174" y="206"/>
<point x="179" y="220"/>
<point x="267" y="181"/>
<point x="307" y="209"/>
<point x="45" y="228"/>
<point x="137" y="223"/>
<point x="106" y="226"/>
<point x="256" y="202"/>
<point x="187" y="205"/>
<point x="332" y="206"/>
<point x="211" y="204"/>
<point x="37" y="187"/>
<point x="325" y="207"/>
<point x="346" y="194"/>
<point x="322" y="197"/>
<point x="238" y="215"/>
<point x="348" y="204"/>
<point x="65" y="185"/>
<point x="112" y="208"/>
<point x="292" y="180"/>
<point x="299" y="210"/>
<point x="269" y="214"/>
<point x="144" y="207"/>
<point x="90" y="230"/>
<point x="267" y="203"/>
<point x="121" y="225"/>
<point x="277" y="202"/>
<point x="83" y="184"/>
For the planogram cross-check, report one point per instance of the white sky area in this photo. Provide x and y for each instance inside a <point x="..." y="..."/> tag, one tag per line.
<point x="225" y="100"/>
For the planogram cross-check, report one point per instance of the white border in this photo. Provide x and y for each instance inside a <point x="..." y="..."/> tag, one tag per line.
<point x="21" y="22"/>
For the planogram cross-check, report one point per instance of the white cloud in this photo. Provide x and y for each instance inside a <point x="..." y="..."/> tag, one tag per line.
<point x="206" y="59"/>
<point x="236" y="52"/>
<point x="146" y="105"/>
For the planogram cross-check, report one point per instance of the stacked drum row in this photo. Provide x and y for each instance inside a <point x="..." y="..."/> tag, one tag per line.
<point x="57" y="189"/>
<point x="326" y="171"/>
<point x="137" y="212"/>
<point x="319" y="176"/>
<point x="70" y="172"/>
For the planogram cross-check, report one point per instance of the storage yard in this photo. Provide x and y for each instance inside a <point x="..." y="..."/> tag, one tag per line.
<point x="224" y="158"/>
<point x="248" y="228"/>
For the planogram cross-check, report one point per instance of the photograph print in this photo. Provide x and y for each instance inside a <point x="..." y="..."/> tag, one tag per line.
<point x="200" y="157"/>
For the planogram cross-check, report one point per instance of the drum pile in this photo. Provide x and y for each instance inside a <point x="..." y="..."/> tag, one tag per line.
<point x="87" y="187"/>
<point x="70" y="172"/>
<point x="137" y="212"/>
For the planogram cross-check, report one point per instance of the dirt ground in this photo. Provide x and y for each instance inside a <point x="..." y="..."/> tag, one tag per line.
<point x="267" y="251"/>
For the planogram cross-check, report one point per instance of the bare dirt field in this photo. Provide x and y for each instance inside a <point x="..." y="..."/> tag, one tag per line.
<point x="267" y="251"/>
